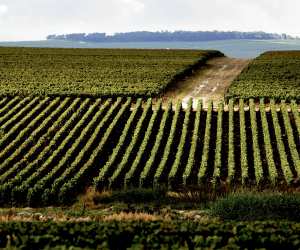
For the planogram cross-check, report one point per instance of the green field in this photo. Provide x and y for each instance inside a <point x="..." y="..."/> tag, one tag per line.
<point x="51" y="149"/>
<point x="271" y="75"/>
<point x="95" y="72"/>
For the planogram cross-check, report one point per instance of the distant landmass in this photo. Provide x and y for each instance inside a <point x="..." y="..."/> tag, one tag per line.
<point x="167" y="36"/>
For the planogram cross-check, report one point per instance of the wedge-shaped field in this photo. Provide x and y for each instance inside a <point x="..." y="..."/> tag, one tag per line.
<point x="95" y="72"/>
<point x="272" y="75"/>
<point x="52" y="148"/>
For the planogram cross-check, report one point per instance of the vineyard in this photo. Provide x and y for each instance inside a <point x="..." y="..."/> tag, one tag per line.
<point x="95" y="72"/>
<point x="52" y="148"/>
<point x="149" y="235"/>
<point x="271" y="75"/>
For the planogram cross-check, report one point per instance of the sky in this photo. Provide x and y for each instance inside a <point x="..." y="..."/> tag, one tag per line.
<point x="22" y="20"/>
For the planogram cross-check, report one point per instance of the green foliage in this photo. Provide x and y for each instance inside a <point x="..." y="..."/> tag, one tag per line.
<point x="273" y="173"/>
<point x="102" y="180"/>
<point x="150" y="235"/>
<point x="29" y="175"/>
<point x="290" y="136"/>
<point x="56" y="162"/>
<point x="271" y="75"/>
<point x="145" y="177"/>
<point x="160" y="174"/>
<point x="256" y="150"/>
<point x="187" y="174"/>
<point x="117" y="178"/>
<point x="296" y="115"/>
<point x="131" y="178"/>
<point x="258" y="206"/>
<point x="95" y="72"/>
<point x="204" y="160"/>
<point x="231" y="161"/>
<point x="132" y="196"/>
<point x="174" y="179"/>
<point x="218" y="158"/>
<point x="64" y="145"/>
<point x="76" y="183"/>
<point x="243" y="139"/>
<point x="287" y="172"/>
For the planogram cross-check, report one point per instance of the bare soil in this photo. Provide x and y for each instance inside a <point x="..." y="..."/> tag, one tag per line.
<point x="209" y="82"/>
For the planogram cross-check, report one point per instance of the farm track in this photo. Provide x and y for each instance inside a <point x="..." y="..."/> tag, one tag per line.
<point x="53" y="152"/>
<point x="210" y="82"/>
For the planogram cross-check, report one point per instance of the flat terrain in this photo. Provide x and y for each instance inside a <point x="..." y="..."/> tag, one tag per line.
<point x="208" y="83"/>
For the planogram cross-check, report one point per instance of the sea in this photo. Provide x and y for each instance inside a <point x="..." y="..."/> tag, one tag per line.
<point x="231" y="48"/>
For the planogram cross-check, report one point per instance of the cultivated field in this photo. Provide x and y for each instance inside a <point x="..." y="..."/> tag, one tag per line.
<point x="95" y="72"/>
<point x="150" y="235"/>
<point x="271" y="75"/>
<point x="79" y="133"/>
<point x="51" y="149"/>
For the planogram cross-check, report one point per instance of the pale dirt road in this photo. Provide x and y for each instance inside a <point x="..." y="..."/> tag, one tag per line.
<point x="208" y="83"/>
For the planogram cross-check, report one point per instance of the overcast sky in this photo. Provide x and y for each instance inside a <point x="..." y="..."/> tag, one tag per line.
<point x="35" y="19"/>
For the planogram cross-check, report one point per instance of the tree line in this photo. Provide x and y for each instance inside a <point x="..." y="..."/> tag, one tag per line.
<point x="168" y="36"/>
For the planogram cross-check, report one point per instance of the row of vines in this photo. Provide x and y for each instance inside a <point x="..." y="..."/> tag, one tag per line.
<point x="52" y="149"/>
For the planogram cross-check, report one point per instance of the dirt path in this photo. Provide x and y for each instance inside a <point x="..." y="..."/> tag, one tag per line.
<point x="209" y="83"/>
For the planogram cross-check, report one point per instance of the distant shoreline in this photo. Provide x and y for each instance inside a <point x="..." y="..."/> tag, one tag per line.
<point x="147" y="42"/>
<point x="244" y="49"/>
<point x="168" y="36"/>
